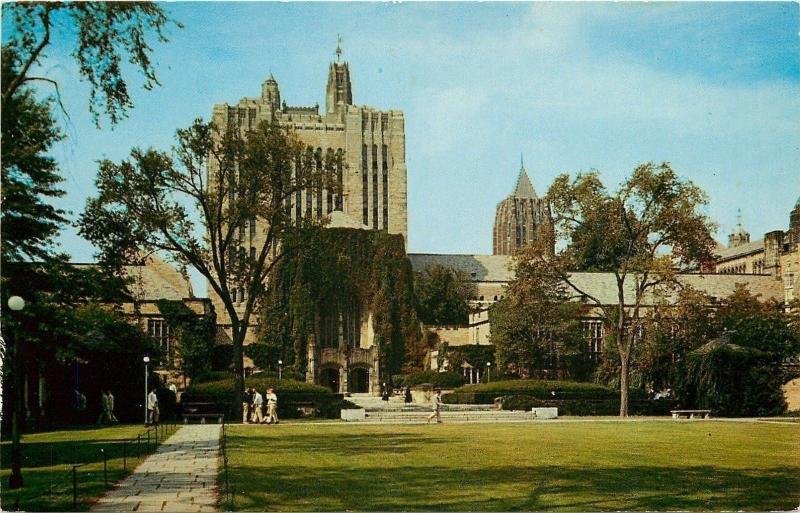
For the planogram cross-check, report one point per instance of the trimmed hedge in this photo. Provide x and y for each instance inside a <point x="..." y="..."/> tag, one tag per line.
<point x="486" y="393"/>
<point x="437" y="379"/>
<point x="580" y="407"/>
<point x="291" y="394"/>
<point x="334" y="410"/>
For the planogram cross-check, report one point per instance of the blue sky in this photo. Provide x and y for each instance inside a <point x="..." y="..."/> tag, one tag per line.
<point x="714" y="88"/>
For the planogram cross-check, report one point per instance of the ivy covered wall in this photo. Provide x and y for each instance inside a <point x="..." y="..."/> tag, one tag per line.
<point x="325" y="269"/>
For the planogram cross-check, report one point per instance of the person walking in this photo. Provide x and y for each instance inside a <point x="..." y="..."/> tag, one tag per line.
<point x="408" y="397"/>
<point x="111" y="407"/>
<point x="258" y="402"/>
<point x="152" y="408"/>
<point x="247" y="400"/>
<point x="104" y="411"/>
<point x="437" y="406"/>
<point x="272" y="407"/>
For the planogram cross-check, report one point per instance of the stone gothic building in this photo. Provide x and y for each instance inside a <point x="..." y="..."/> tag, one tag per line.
<point x="522" y="218"/>
<point x="777" y="254"/>
<point x="369" y="148"/>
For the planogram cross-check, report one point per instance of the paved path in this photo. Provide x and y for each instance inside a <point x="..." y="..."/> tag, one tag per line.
<point x="180" y="476"/>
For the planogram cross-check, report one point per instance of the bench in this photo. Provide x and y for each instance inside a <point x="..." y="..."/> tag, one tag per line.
<point x="201" y="411"/>
<point x="690" y="414"/>
<point x="203" y="417"/>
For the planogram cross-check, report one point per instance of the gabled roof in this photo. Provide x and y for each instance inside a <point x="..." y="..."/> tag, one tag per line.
<point x="740" y="250"/>
<point x="601" y="285"/>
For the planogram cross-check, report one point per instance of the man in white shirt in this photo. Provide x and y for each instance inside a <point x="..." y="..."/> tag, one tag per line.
<point x="437" y="405"/>
<point x="152" y="407"/>
<point x="272" y="404"/>
<point x="258" y="401"/>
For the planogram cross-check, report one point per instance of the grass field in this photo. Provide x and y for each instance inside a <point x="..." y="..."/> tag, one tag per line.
<point x="651" y="465"/>
<point x="47" y="466"/>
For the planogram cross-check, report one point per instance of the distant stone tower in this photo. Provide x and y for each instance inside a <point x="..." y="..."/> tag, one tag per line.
<point x="794" y="222"/>
<point x="522" y="218"/>
<point x="739" y="235"/>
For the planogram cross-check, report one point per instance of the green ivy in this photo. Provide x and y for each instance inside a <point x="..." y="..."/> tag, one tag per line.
<point x="194" y="334"/>
<point x="327" y="268"/>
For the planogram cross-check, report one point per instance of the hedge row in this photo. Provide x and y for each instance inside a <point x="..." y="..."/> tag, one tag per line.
<point x="486" y="393"/>
<point x="291" y="395"/>
<point x="438" y="379"/>
<point x="581" y="407"/>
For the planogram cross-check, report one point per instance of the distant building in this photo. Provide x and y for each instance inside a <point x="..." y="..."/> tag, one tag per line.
<point x="777" y="254"/>
<point x="492" y="273"/>
<point x="522" y="218"/>
<point x="369" y="148"/>
<point x="151" y="281"/>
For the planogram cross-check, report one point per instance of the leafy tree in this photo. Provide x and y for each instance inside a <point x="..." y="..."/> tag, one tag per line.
<point x="224" y="179"/>
<point x="676" y="327"/>
<point x="30" y="179"/>
<point x="443" y="295"/>
<point x="106" y="34"/>
<point x="534" y="327"/>
<point x="647" y="231"/>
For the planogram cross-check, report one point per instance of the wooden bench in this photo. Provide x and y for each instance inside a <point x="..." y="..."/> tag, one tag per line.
<point x="690" y="414"/>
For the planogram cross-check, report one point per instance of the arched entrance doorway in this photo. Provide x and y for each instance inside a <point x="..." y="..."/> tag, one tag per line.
<point x="359" y="381"/>
<point x="330" y="378"/>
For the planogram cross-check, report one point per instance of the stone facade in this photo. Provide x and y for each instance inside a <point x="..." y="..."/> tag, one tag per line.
<point x="776" y="255"/>
<point x="369" y="146"/>
<point x="151" y="281"/>
<point x="522" y="218"/>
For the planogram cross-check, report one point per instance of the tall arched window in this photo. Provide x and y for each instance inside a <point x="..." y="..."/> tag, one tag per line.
<point x="364" y="185"/>
<point x="318" y="181"/>
<point x="375" y="186"/>
<point x="329" y="163"/>
<point x="339" y="205"/>
<point x="385" y="166"/>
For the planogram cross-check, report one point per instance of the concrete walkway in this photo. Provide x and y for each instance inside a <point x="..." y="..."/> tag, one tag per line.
<point x="180" y="476"/>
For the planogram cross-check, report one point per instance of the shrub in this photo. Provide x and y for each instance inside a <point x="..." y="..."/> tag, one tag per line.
<point x="438" y="379"/>
<point x="333" y="410"/>
<point x="485" y="393"/>
<point x="581" y="407"/>
<point x="291" y="394"/>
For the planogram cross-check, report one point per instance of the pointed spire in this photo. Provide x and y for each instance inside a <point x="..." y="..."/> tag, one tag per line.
<point x="338" y="47"/>
<point x="524" y="187"/>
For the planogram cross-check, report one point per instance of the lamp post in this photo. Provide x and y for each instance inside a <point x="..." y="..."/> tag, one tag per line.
<point x="16" y="304"/>
<point x="488" y="372"/>
<point x="146" y="361"/>
<point x="280" y="364"/>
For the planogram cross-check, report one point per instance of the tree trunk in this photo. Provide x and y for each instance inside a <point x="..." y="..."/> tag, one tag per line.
<point x="238" y="371"/>
<point x="624" y="359"/>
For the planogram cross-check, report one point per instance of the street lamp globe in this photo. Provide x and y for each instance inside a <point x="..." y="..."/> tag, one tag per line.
<point x="16" y="303"/>
<point x="146" y="359"/>
<point x="280" y="362"/>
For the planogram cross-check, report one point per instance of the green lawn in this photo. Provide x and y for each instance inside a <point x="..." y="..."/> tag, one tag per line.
<point x="650" y="465"/>
<point x="47" y="466"/>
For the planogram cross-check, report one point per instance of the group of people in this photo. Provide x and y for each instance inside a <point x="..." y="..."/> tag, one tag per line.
<point x="106" y="408"/>
<point x="253" y="407"/>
